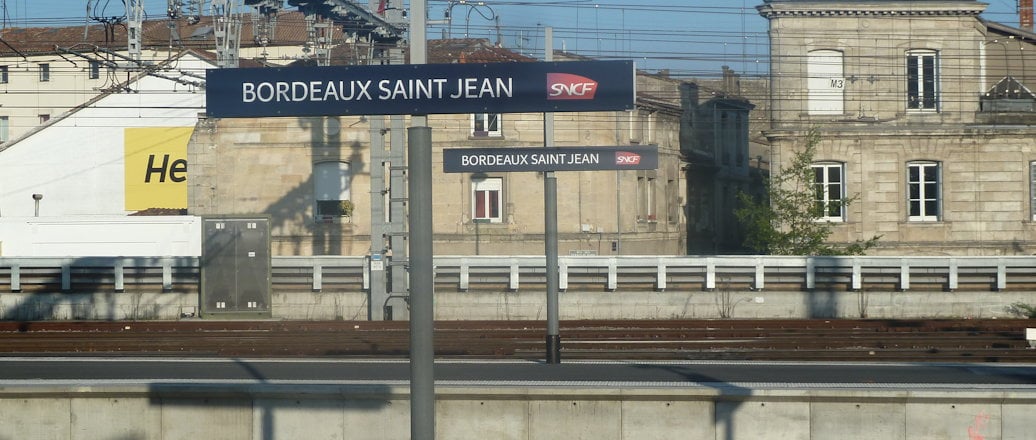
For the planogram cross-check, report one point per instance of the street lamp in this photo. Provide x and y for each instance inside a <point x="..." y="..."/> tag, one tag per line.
<point x="37" y="197"/>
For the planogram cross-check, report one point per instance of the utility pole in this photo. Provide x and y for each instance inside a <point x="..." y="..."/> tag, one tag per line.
<point x="550" y="228"/>
<point x="134" y="24"/>
<point x="227" y="28"/>
<point x="422" y="308"/>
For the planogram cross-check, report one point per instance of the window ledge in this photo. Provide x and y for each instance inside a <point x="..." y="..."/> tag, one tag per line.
<point x="487" y="225"/>
<point x="925" y="222"/>
<point x="331" y="219"/>
<point x="921" y="113"/>
<point x="475" y="137"/>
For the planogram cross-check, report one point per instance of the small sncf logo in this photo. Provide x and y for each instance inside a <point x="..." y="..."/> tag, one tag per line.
<point x="626" y="158"/>
<point x="568" y="86"/>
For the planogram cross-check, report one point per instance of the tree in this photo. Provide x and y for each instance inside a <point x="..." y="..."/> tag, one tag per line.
<point x="787" y="220"/>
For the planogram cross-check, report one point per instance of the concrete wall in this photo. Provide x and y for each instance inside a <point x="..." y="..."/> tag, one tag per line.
<point x="97" y="306"/>
<point x="359" y="412"/>
<point x="531" y="305"/>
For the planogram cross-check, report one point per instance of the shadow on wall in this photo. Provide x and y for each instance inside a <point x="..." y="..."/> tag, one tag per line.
<point x="726" y="404"/>
<point x="293" y="219"/>
<point x="823" y="302"/>
<point x="86" y="288"/>
<point x="250" y="403"/>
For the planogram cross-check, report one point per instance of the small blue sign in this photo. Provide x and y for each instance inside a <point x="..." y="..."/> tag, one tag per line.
<point x="483" y="160"/>
<point x="414" y="89"/>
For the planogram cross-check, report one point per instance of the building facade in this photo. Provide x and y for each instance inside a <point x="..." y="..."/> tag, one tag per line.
<point x="324" y="182"/>
<point x="716" y="149"/>
<point x="924" y="122"/>
<point x="116" y="154"/>
<point x="48" y="71"/>
<point x="282" y="167"/>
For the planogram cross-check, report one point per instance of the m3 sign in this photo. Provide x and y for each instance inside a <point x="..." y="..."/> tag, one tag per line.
<point x="573" y="86"/>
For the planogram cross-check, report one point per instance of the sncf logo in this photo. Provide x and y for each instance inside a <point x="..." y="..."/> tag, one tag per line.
<point x="568" y="86"/>
<point x="626" y="158"/>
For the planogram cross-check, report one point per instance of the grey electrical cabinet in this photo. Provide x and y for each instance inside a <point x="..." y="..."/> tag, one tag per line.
<point x="235" y="267"/>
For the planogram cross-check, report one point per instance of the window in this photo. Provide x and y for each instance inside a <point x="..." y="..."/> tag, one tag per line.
<point x="5" y="124"/>
<point x="922" y="80"/>
<point x="673" y="201"/>
<point x="641" y="124"/>
<point x="923" y="191"/>
<point x="44" y="118"/>
<point x="646" y="199"/>
<point x="725" y="133"/>
<point x="44" y="72"/>
<point x="741" y="139"/>
<point x="826" y="84"/>
<point x="485" y="125"/>
<point x="95" y="69"/>
<point x="3" y="75"/>
<point x="1032" y="190"/>
<point x="331" y="188"/>
<point x="486" y="200"/>
<point x="829" y="190"/>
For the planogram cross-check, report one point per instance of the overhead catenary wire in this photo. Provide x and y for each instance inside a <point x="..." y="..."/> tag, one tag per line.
<point x="699" y="48"/>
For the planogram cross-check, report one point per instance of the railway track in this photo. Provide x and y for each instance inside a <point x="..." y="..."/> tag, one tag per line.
<point x="771" y="340"/>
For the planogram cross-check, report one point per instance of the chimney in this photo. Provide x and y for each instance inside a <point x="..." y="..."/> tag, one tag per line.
<point x="1025" y="14"/>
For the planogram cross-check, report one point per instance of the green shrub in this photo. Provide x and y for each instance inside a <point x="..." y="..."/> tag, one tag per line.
<point x="1023" y="310"/>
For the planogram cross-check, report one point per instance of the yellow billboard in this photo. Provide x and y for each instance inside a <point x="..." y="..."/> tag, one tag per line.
<point x="156" y="167"/>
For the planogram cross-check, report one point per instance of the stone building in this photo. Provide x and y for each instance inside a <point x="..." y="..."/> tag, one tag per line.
<point x="316" y="178"/>
<point x="277" y="167"/>
<point x="714" y="139"/>
<point x="925" y="117"/>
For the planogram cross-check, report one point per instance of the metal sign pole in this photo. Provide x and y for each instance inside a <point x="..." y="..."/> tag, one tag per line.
<point x="550" y="224"/>
<point x="419" y="197"/>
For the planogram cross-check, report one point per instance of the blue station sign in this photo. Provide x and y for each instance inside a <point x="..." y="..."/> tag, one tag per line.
<point x="405" y="89"/>
<point x="483" y="160"/>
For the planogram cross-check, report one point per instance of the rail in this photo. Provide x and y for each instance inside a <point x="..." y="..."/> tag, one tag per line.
<point x="496" y="273"/>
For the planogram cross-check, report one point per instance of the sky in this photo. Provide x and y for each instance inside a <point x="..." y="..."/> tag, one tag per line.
<point x="690" y="38"/>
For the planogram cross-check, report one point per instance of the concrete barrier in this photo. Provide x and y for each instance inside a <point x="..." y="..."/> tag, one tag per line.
<point x="372" y="411"/>
<point x="531" y="305"/>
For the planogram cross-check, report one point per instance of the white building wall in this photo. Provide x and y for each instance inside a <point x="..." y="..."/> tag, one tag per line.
<point x="100" y="236"/>
<point x="78" y="162"/>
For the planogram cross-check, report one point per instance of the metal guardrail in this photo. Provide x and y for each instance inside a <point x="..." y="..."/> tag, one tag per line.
<point x="118" y="274"/>
<point x="469" y="273"/>
<point x="748" y="272"/>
